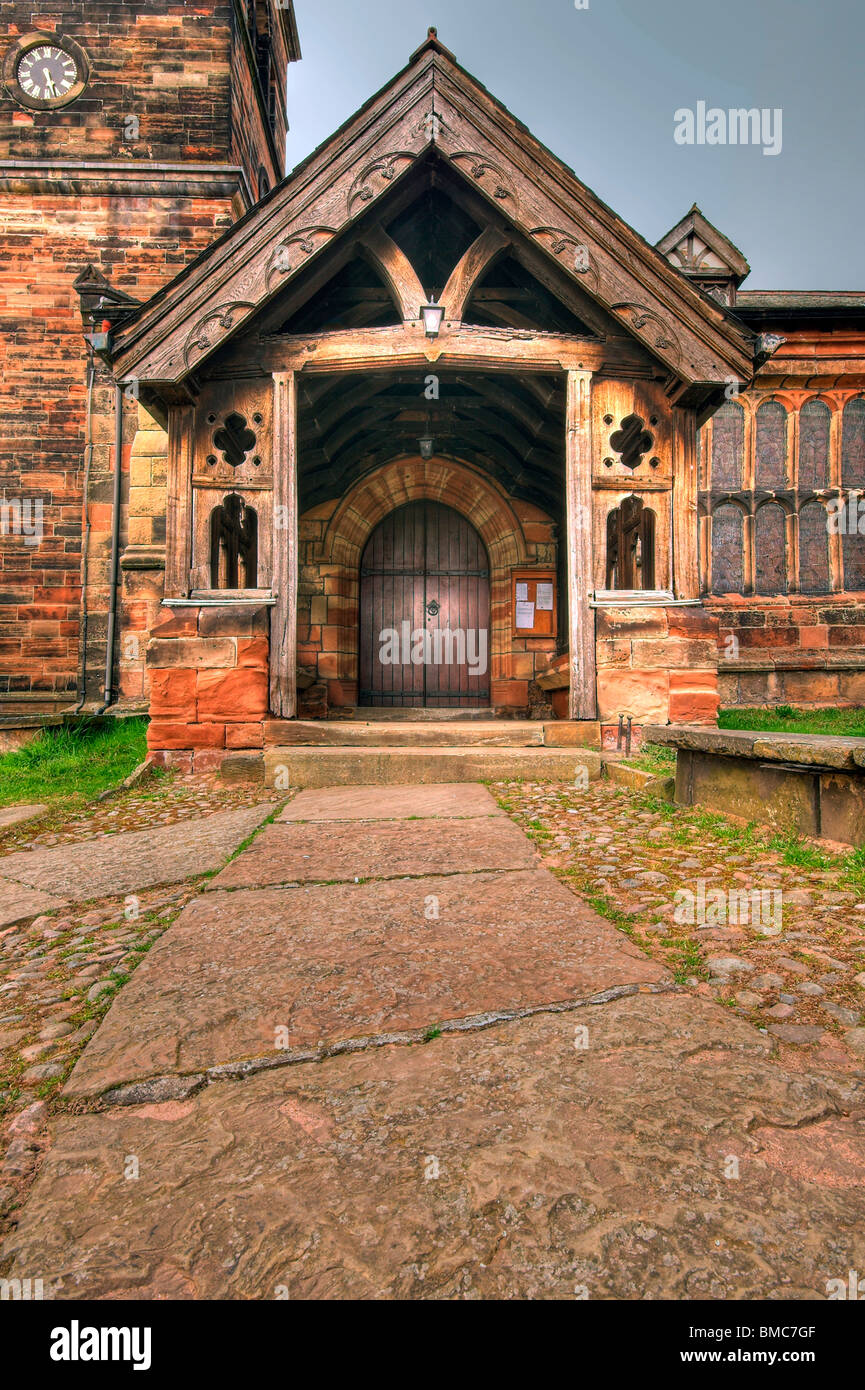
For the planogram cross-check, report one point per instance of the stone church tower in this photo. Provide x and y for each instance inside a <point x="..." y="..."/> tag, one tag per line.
<point x="133" y="133"/>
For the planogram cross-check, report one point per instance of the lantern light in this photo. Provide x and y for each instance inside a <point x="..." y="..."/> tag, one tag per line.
<point x="426" y="446"/>
<point x="432" y="315"/>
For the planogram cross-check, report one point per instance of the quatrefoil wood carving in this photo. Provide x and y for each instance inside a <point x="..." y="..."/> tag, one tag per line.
<point x="632" y="441"/>
<point x="234" y="439"/>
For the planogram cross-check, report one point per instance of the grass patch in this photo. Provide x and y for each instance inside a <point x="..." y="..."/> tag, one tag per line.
<point x="655" y="759"/>
<point x="785" y="719"/>
<point x="73" y="764"/>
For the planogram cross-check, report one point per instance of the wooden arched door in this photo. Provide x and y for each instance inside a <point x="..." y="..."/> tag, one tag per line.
<point x="425" y="611"/>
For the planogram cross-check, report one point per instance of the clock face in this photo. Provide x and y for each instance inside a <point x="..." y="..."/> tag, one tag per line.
<point x="47" y="73"/>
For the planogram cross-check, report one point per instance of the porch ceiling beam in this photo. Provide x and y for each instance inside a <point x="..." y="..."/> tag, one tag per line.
<point x="407" y="443"/>
<point x="487" y="349"/>
<point x="499" y="396"/>
<point x="397" y="270"/>
<point x="442" y="424"/>
<point x="322" y="485"/>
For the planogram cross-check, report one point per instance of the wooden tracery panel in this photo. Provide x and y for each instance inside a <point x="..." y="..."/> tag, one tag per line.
<point x="232" y="486"/>
<point x="853" y="443"/>
<point x="771" y="469"/>
<point x="771" y="550"/>
<point x="814" y="571"/>
<point x="814" y="423"/>
<point x="728" y="447"/>
<point x="728" y="550"/>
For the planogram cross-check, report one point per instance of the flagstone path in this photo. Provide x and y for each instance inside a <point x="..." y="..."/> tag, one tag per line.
<point x="387" y="1054"/>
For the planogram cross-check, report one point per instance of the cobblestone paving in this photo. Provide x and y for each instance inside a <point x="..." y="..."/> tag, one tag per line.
<point x="518" y="1120"/>
<point x="165" y="800"/>
<point x="60" y="970"/>
<point x="800" y="977"/>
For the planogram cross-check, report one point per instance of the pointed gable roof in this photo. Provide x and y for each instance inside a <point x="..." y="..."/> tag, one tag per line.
<point x="697" y="247"/>
<point x="432" y="105"/>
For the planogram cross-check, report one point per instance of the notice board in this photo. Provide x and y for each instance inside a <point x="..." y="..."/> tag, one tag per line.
<point x="534" y="602"/>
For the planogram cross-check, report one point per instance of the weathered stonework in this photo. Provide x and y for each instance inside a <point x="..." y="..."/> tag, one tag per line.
<point x="180" y="127"/>
<point x="208" y="670"/>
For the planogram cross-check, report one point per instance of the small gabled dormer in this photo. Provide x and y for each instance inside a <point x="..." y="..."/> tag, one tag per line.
<point x="706" y="256"/>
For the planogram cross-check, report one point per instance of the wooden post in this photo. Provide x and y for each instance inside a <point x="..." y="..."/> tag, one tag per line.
<point x="686" y="568"/>
<point x="178" y="524"/>
<point x="283" y="622"/>
<point x="578" y="498"/>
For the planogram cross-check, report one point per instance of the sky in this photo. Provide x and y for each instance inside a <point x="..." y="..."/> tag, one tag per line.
<point x="602" y="86"/>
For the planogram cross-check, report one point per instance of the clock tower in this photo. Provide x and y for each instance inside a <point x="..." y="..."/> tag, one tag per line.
<point x="132" y="134"/>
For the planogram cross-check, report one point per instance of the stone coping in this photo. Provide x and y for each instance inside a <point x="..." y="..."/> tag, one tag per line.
<point x="821" y="750"/>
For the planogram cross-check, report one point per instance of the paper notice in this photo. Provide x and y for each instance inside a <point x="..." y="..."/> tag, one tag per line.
<point x="525" y="614"/>
<point x="545" y="598"/>
<point x="522" y="592"/>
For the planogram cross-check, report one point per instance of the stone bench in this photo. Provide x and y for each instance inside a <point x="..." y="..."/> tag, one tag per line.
<point x="812" y="784"/>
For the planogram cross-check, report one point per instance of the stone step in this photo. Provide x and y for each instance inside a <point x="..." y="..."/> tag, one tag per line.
<point x="498" y="733"/>
<point x="503" y="733"/>
<point x="416" y="714"/>
<point x="298" y="766"/>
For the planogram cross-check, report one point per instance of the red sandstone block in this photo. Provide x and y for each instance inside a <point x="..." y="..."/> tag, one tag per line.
<point x="693" y="706"/>
<point x="254" y="653"/>
<point x="847" y="636"/>
<point x="692" y="622"/>
<point x="513" y="694"/>
<point x="810" y="687"/>
<point x="172" y="694"/>
<point x="814" y="636"/>
<point x="560" y="701"/>
<point x="328" y="665"/>
<point x="234" y="622"/>
<point x="170" y="758"/>
<point x="244" y="736"/>
<point x="208" y="760"/>
<point x="164" y="734"/>
<point x="236" y="696"/>
<point x="132" y="684"/>
<point x="767" y="637"/>
<point x="538" y="531"/>
<point x="342" y="692"/>
<point x="176" y="622"/>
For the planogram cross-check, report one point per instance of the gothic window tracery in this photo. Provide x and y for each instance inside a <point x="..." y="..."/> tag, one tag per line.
<point x="814" y="573"/>
<point x="814" y="422"/>
<point x="631" y="546"/>
<point x="233" y="545"/>
<point x="771" y="451"/>
<point x="728" y="447"/>
<point x="853" y="443"/>
<point x="771" y="550"/>
<point x="728" y="549"/>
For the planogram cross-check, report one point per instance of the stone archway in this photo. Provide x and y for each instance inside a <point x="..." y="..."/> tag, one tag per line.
<point x="331" y="645"/>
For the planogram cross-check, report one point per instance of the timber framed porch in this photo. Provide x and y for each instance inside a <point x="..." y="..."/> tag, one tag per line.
<point x="431" y="313"/>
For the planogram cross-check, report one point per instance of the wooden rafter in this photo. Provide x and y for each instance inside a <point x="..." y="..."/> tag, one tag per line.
<point x="472" y="266"/>
<point x="396" y="269"/>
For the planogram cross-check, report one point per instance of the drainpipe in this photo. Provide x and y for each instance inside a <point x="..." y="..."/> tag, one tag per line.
<point x="115" y="551"/>
<point x="85" y="543"/>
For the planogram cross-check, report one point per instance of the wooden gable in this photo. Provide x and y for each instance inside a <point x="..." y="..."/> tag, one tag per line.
<point x="435" y="107"/>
